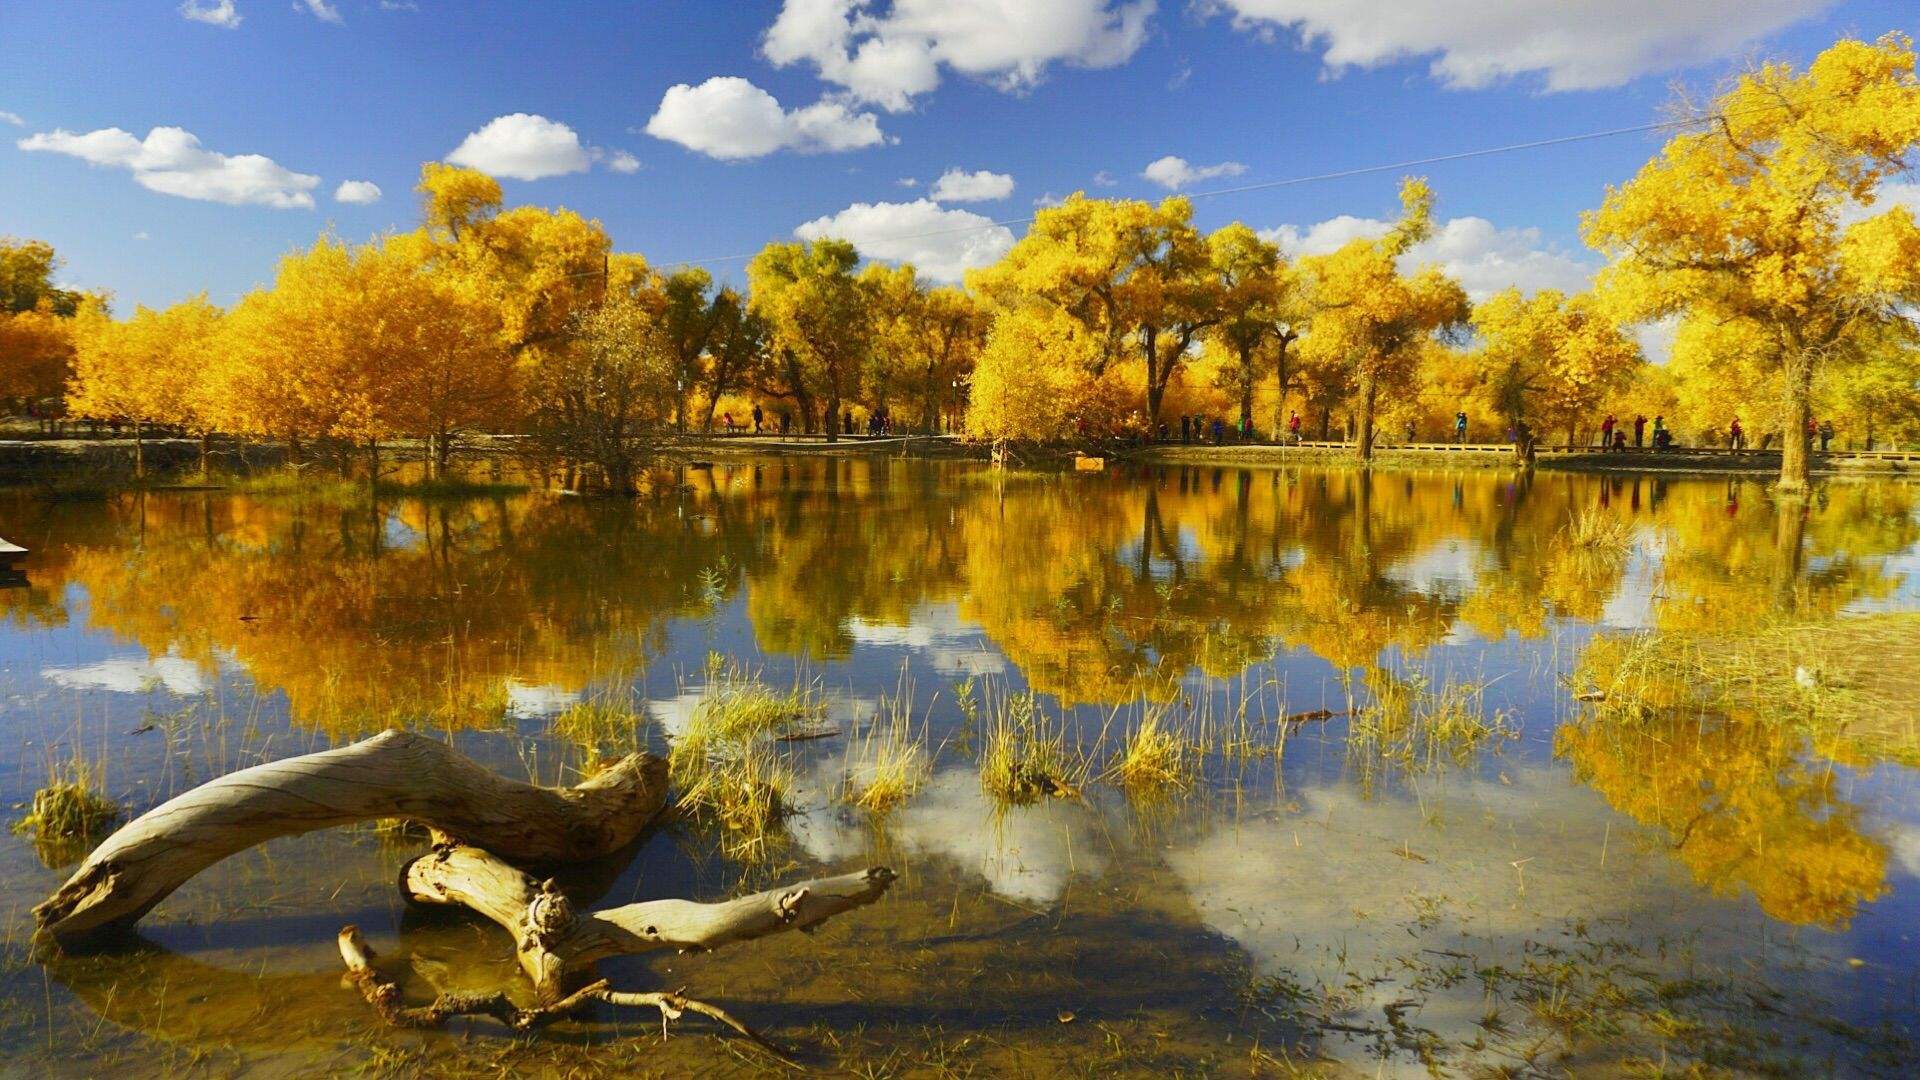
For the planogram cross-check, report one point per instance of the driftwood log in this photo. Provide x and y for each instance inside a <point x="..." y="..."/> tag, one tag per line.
<point x="483" y="823"/>
<point x="393" y="774"/>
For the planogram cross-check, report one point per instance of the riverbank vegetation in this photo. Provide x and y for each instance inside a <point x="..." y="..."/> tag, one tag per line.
<point x="1759" y="236"/>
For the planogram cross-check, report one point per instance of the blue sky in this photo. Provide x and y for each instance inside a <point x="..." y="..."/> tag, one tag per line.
<point x="660" y="118"/>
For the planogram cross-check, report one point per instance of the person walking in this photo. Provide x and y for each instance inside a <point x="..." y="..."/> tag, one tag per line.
<point x="1639" y="430"/>
<point x="1660" y="432"/>
<point x="1826" y="434"/>
<point x="1736" y="437"/>
<point x="1219" y="431"/>
<point x="1293" y="427"/>
<point x="1606" y="432"/>
<point x="758" y="416"/>
<point x="1186" y="428"/>
<point x="1460" y="427"/>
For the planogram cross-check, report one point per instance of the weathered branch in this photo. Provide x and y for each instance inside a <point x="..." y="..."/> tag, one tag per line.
<point x="383" y="993"/>
<point x="551" y="939"/>
<point x="394" y="774"/>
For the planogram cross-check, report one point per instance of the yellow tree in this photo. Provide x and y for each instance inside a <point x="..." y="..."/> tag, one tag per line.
<point x="1137" y="276"/>
<point x="1036" y="379"/>
<point x="148" y="369"/>
<point x="1260" y="313"/>
<point x="26" y="279"/>
<point x="1372" y="319"/>
<point x="445" y="363"/>
<point x="1757" y="217"/>
<point x="36" y="353"/>
<point x="596" y="399"/>
<point x="1550" y="359"/>
<point x="926" y="341"/>
<point x="819" y="317"/>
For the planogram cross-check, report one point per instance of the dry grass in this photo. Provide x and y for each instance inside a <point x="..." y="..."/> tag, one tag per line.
<point x="728" y="761"/>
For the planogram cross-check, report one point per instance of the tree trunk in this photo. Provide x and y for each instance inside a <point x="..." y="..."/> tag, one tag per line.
<point x="1246" y="392"/>
<point x="1796" y="466"/>
<point x="1363" y="446"/>
<point x="833" y="414"/>
<point x="393" y="774"/>
<point x="442" y="454"/>
<point x="206" y="452"/>
<point x="139" y="449"/>
<point x="373" y="464"/>
<point x="1280" y="388"/>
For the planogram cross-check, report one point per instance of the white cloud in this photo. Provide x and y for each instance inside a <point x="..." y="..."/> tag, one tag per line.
<point x="142" y="235"/>
<point x="1048" y="199"/>
<point x="1573" y="44"/>
<point x="1103" y="178"/>
<point x="359" y="192"/>
<point x="321" y="10"/>
<point x="983" y="186"/>
<point x="1483" y="257"/>
<point x="1891" y="193"/>
<point x="171" y="161"/>
<point x="729" y="118"/>
<point x="522" y="146"/>
<point x="888" y="58"/>
<point x="942" y="244"/>
<point x="908" y="182"/>
<point x="622" y="162"/>
<point x="211" y="13"/>
<point x="12" y="118"/>
<point x="133" y="675"/>
<point x="1174" y="173"/>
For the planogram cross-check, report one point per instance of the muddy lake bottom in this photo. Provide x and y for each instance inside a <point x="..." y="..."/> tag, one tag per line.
<point x="1408" y="838"/>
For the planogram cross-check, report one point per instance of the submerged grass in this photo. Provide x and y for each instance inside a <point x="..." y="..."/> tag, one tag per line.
<point x="1598" y="532"/>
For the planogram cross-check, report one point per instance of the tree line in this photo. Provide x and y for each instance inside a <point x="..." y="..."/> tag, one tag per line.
<point x="1755" y="233"/>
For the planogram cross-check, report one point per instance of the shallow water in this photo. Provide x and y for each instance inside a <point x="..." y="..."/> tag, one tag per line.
<point x="1553" y="898"/>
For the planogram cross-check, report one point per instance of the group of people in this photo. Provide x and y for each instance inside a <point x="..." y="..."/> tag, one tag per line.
<point x="1194" y="427"/>
<point x="879" y="422"/>
<point x="1613" y="434"/>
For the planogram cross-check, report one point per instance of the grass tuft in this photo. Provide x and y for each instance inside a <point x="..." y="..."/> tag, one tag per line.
<point x="1025" y="756"/>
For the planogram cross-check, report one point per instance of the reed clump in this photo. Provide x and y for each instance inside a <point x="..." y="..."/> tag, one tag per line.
<point x="1597" y="532"/>
<point x="1024" y="755"/>
<point x="727" y="760"/>
<point x="1157" y="757"/>
<point x="1410" y="721"/>
<point x="70" y="807"/>
<point x="890" y="763"/>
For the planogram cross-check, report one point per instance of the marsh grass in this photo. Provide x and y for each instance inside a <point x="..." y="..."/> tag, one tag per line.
<point x="1159" y="757"/>
<point x="1597" y="532"/>
<point x="1025" y="755"/>
<point x="70" y="811"/>
<point x="1848" y="683"/>
<point x="728" y="760"/>
<point x="1408" y="721"/>
<point x="890" y="762"/>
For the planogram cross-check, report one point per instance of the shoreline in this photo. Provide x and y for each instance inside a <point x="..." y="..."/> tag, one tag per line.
<point x="23" y="461"/>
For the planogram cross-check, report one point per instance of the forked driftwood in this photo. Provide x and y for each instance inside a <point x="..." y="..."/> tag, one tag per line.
<point x="393" y="774"/>
<point x="552" y="940"/>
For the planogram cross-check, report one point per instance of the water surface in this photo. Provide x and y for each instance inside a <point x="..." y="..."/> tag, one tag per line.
<point x="1556" y="898"/>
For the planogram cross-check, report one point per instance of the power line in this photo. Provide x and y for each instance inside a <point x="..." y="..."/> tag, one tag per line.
<point x="1343" y="174"/>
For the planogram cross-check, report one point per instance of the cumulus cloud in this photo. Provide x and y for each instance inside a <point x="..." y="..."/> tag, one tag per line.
<point x="887" y="58"/>
<point x="942" y="244"/>
<point x="359" y="192"/>
<point x="955" y="185"/>
<point x="321" y="10"/>
<point x="171" y="161"/>
<point x="729" y="118"/>
<point x="522" y="146"/>
<point x="213" y="14"/>
<point x="1480" y="255"/>
<point x="1174" y="173"/>
<point x="1571" y="44"/>
<point x="622" y="162"/>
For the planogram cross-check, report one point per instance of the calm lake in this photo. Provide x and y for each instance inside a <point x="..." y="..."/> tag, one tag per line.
<point x="1547" y="896"/>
